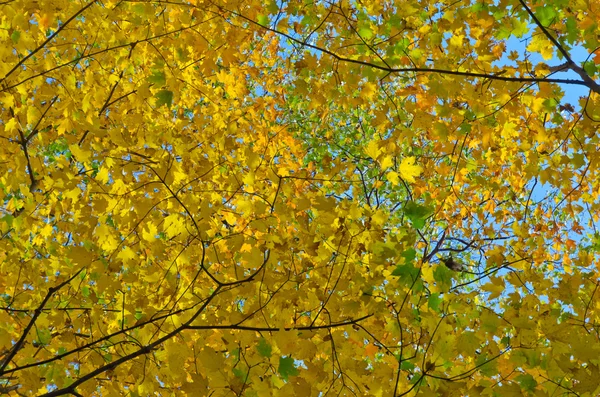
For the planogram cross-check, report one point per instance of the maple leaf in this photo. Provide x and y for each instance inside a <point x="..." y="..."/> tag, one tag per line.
<point x="408" y="169"/>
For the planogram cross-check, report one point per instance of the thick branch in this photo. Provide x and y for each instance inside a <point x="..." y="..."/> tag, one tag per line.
<point x="589" y="83"/>
<point x="36" y="314"/>
<point x="50" y="38"/>
<point x="587" y="80"/>
<point x="272" y="329"/>
<point x="144" y="350"/>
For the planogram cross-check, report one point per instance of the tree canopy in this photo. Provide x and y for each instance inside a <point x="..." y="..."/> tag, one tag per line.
<point x="311" y="198"/>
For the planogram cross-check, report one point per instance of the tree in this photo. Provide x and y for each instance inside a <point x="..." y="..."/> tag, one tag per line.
<point x="257" y="198"/>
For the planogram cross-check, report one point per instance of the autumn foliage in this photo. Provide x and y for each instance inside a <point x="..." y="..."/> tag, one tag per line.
<point x="309" y="198"/>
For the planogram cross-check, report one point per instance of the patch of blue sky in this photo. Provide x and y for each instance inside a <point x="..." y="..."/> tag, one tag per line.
<point x="578" y="54"/>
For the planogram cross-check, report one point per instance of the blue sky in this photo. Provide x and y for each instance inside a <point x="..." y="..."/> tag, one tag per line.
<point x="578" y="54"/>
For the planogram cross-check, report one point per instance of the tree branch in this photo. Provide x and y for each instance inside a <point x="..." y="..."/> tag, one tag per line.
<point x="17" y="346"/>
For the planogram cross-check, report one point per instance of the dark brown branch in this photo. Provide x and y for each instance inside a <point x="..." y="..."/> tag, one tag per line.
<point x="23" y="142"/>
<point x="97" y="341"/>
<point x="144" y="350"/>
<point x="587" y="307"/>
<point x="469" y="372"/>
<point x="35" y="129"/>
<point x="91" y="55"/>
<point x="587" y="80"/>
<point x="591" y="85"/>
<point x="36" y="314"/>
<point x="546" y="33"/>
<point x="50" y="38"/>
<point x="272" y="329"/>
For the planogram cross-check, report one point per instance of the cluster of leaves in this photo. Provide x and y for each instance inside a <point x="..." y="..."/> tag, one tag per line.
<point x="258" y="198"/>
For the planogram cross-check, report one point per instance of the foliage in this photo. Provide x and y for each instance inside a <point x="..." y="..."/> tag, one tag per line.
<point x="236" y="197"/>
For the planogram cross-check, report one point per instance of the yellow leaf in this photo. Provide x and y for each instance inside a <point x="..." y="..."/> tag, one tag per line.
<point x="372" y="149"/>
<point x="369" y="91"/>
<point x="408" y="169"/>
<point x="393" y="177"/>
<point x="387" y="162"/>
<point x="81" y="155"/>
<point x="149" y="233"/>
<point x="103" y="175"/>
<point x="177" y="352"/>
<point x="11" y="125"/>
<point x="127" y="255"/>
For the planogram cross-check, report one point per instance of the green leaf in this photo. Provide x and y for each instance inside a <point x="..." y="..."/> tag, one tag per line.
<point x="417" y="213"/>
<point x="263" y="348"/>
<point x="527" y="382"/>
<point x="407" y="273"/>
<point x="8" y="219"/>
<point x="550" y="104"/>
<point x="434" y="301"/>
<point x="487" y="366"/>
<point x="467" y="343"/>
<point x="416" y="53"/>
<point x="409" y="255"/>
<point x="365" y="32"/>
<point x="287" y="367"/>
<point x="240" y="374"/>
<point x="572" y="31"/>
<point x="44" y="336"/>
<point x="407" y="366"/>
<point x="519" y="27"/>
<point x="443" y="277"/>
<point x="139" y="9"/>
<point x="263" y="20"/>
<point x="590" y="68"/>
<point x="15" y="36"/>
<point x="158" y="78"/>
<point x="401" y="46"/>
<point x="546" y="15"/>
<point x="478" y="7"/>
<point x="502" y="33"/>
<point x="465" y="128"/>
<point x="383" y="250"/>
<point x="164" y="97"/>
<point x="273" y="7"/>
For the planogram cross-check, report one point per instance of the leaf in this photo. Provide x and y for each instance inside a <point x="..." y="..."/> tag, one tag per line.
<point x="409" y="255"/>
<point x="365" y="33"/>
<point x="393" y="177"/>
<point x="15" y="36"/>
<point x="408" y="169"/>
<point x="468" y="342"/>
<point x="434" y="302"/>
<point x="527" y="382"/>
<point x="407" y="273"/>
<point x="590" y="68"/>
<point x="164" y="97"/>
<point x="407" y="366"/>
<point x="417" y="213"/>
<point x="546" y="15"/>
<point x="44" y="336"/>
<point x="443" y="277"/>
<point x="263" y="20"/>
<point x="158" y="78"/>
<point x="371" y="350"/>
<point x="287" y="367"/>
<point x="263" y="348"/>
